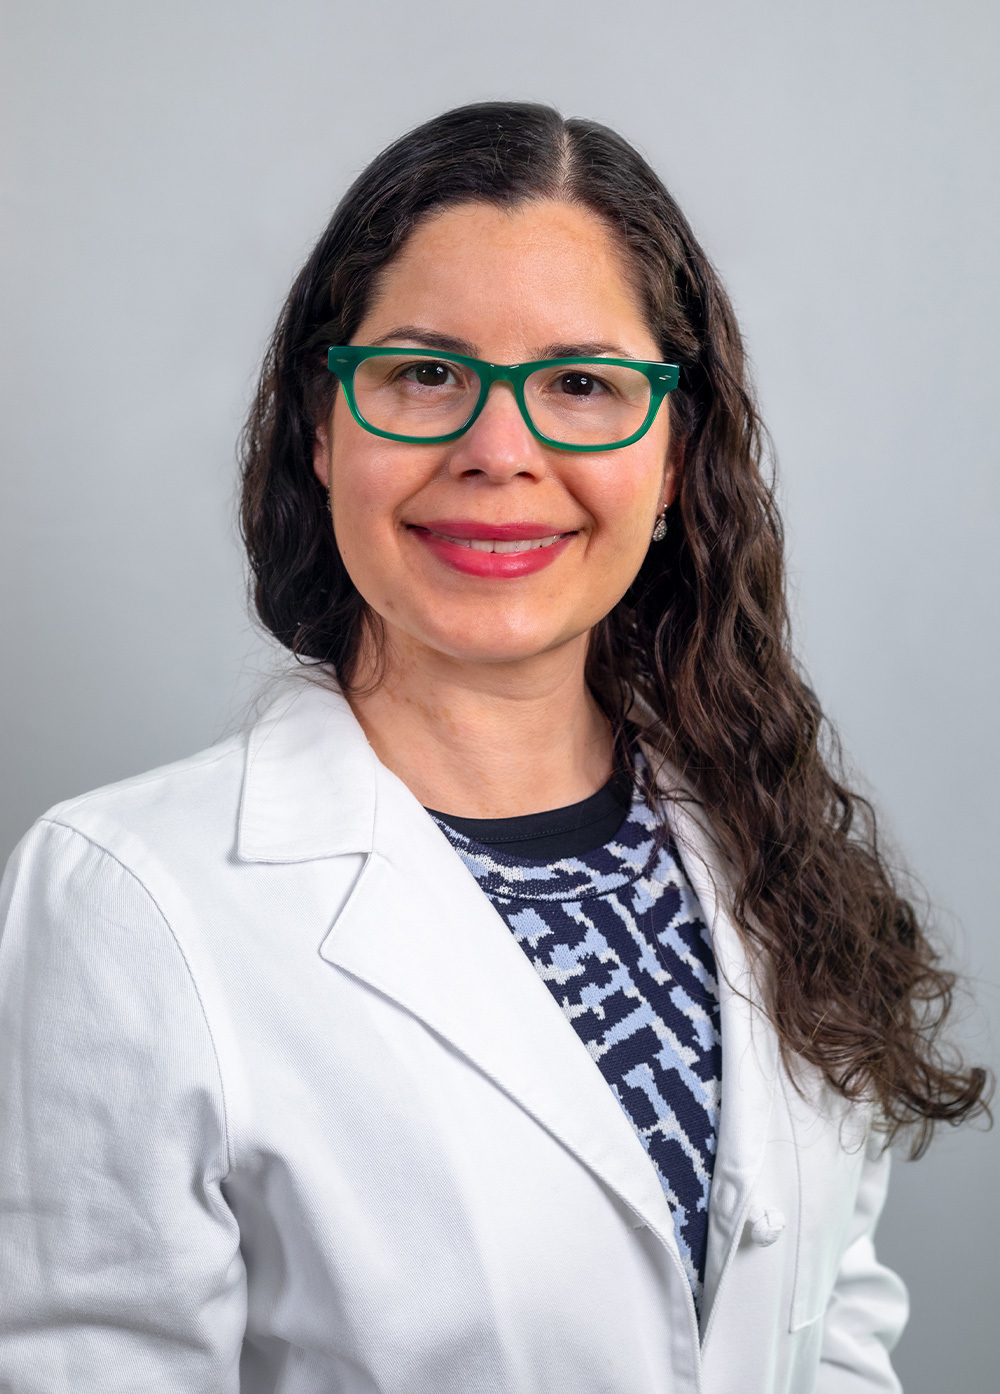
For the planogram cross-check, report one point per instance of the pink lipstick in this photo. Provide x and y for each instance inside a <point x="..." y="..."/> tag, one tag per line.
<point x="499" y="550"/>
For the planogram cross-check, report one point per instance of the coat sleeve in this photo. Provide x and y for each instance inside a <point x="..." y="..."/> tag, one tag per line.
<point x="120" y="1268"/>
<point x="869" y="1306"/>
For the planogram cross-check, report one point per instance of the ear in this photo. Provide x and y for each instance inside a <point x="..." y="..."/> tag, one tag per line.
<point x="671" y="475"/>
<point x="321" y="454"/>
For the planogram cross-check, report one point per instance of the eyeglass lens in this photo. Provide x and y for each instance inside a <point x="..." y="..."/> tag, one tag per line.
<point x="592" y="403"/>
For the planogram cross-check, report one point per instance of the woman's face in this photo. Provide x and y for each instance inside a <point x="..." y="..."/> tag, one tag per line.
<point x="542" y="281"/>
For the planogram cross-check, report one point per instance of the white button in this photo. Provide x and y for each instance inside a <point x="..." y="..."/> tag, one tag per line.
<point x="766" y="1224"/>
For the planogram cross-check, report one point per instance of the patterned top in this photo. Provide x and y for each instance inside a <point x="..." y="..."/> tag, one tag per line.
<point x="618" y="938"/>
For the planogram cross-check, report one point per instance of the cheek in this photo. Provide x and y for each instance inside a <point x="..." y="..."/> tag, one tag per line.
<point x="371" y="481"/>
<point x="361" y="480"/>
<point x="362" y="502"/>
<point x="358" y="491"/>
<point x="623" y="497"/>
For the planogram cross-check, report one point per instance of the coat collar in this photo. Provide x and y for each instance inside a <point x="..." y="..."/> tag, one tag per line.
<point x="418" y="928"/>
<point x="309" y="779"/>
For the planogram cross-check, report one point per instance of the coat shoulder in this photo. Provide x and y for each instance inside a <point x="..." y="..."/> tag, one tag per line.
<point x="194" y="801"/>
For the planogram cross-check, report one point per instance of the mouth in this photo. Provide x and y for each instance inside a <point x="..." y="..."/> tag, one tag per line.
<point x="499" y="544"/>
<point x="492" y="550"/>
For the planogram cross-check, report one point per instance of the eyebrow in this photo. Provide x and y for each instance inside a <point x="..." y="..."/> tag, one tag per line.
<point x="450" y="343"/>
<point x="586" y="350"/>
<point x="427" y="338"/>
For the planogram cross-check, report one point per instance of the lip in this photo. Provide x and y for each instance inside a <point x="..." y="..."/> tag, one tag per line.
<point x="469" y="530"/>
<point x="437" y="537"/>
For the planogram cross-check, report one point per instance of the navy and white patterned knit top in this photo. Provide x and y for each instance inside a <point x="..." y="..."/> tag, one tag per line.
<point x="617" y="936"/>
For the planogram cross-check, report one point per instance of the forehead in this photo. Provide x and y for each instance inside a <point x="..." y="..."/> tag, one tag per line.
<point x="540" y="272"/>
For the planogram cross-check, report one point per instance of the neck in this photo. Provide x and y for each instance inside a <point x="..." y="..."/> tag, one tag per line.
<point x="489" y="740"/>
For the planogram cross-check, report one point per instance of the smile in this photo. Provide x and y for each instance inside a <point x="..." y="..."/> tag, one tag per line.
<point x="492" y="551"/>
<point x="496" y="544"/>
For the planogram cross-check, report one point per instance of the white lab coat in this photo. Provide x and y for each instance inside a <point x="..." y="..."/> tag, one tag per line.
<point x="285" y="1107"/>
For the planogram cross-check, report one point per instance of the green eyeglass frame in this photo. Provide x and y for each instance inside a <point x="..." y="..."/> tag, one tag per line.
<point x="343" y="361"/>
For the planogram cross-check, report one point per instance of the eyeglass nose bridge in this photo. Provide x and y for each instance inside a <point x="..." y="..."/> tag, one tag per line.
<point x="513" y="374"/>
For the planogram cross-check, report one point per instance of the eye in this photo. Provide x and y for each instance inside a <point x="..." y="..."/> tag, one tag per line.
<point x="576" y="383"/>
<point x="428" y="373"/>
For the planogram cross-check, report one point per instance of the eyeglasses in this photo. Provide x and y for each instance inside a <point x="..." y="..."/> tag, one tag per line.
<point x="428" y="398"/>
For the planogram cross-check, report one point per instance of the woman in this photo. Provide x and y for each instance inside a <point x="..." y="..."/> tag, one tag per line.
<point x="524" y="1003"/>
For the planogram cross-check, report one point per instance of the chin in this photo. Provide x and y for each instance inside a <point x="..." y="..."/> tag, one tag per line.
<point x="494" y="652"/>
<point x="495" y="642"/>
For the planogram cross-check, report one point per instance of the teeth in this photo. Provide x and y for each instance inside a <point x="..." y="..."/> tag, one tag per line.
<point x="490" y="544"/>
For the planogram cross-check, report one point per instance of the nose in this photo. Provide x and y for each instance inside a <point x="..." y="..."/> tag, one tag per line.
<point x="498" y="445"/>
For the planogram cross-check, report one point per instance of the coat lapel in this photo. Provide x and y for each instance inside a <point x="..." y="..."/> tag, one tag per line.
<point x="749" y="1059"/>
<point x="419" y="929"/>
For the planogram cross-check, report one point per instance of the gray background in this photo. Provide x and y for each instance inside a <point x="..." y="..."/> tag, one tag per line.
<point x="167" y="166"/>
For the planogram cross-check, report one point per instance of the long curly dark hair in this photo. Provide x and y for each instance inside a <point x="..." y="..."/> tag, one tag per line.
<point x="853" y="984"/>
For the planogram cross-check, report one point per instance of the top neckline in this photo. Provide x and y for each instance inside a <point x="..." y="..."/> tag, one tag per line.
<point x="626" y="855"/>
<point x="572" y="830"/>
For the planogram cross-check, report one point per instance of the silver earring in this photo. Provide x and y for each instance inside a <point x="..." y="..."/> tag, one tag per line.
<point x="660" y="527"/>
